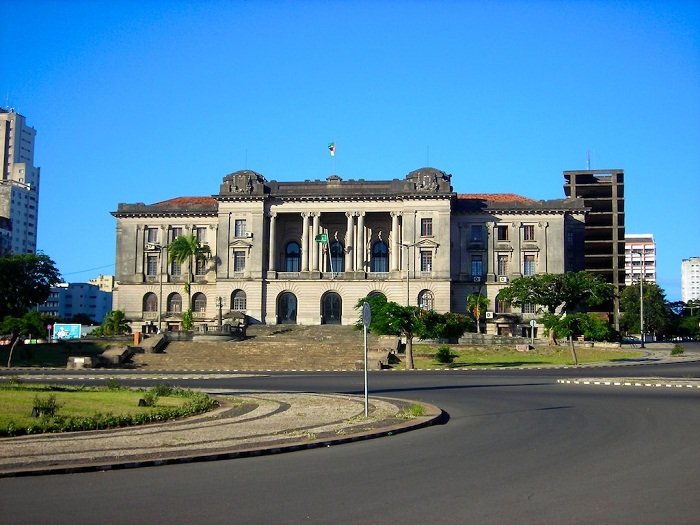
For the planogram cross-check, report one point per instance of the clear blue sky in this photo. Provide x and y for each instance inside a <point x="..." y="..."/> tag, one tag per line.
<point x="142" y="101"/>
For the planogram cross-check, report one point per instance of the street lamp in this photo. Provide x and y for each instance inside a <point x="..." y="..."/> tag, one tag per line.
<point x="220" y="305"/>
<point x="641" y="297"/>
<point x="161" y="249"/>
<point x="408" y="270"/>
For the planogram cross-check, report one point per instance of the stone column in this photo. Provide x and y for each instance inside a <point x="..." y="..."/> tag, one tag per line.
<point x="272" y="249"/>
<point x="490" y="254"/>
<point x="395" y="246"/>
<point x="349" y="254"/>
<point x="315" y="246"/>
<point x="360" y="258"/>
<point x="517" y="270"/>
<point x="305" y="242"/>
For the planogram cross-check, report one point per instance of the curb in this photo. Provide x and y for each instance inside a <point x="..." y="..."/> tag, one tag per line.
<point x="635" y="382"/>
<point x="434" y="416"/>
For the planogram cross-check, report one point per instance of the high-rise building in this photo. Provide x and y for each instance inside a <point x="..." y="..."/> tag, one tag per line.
<point x="690" y="279"/>
<point x="19" y="181"/>
<point x="640" y="258"/>
<point x="603" y="192"/>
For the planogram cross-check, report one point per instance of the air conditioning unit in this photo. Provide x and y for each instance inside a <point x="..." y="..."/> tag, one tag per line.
<point x="477" y="278"/>
<point x="489" y="315"/>
<point x="502" y="279"/>
<point x="152" y="246"/>
<point x="249" y="235"/>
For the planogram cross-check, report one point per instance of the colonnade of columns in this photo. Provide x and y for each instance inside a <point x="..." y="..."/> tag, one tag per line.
<point x="356" y="244"/>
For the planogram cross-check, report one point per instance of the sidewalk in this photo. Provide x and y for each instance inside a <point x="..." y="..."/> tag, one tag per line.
<point x="266" y="423"/>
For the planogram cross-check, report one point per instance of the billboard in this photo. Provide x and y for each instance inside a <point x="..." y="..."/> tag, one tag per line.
<point x="66" y="331"/>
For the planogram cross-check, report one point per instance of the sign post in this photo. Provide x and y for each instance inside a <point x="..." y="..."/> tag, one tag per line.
<point x="366" y="320"/>
<point x="533" y="323"/>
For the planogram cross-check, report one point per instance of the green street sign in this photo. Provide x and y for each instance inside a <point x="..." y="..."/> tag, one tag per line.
<point x="323" y="237"/>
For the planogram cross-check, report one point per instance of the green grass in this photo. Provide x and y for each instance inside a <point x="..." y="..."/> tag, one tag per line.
<point x="84" y="408"/>
<point x="50" y="354"/>
<point x="504" y="357"/>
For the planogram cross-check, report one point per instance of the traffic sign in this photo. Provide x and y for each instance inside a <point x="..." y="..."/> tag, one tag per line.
<point x="366" y="315"/>
<point x="322" y="237"/>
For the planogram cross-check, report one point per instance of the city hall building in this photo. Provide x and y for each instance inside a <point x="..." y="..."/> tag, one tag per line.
<point x="307" y="252"/>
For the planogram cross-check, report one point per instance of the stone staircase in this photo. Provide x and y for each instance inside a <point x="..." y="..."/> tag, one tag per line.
<point x="277" y="347"/>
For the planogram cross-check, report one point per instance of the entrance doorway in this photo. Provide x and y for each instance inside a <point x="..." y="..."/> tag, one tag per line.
<point x="331" y="308"/>
<point x="287" y="308"/>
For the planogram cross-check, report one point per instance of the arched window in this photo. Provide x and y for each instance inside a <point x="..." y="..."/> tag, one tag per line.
<point x="199" y="302"/>
<point x="375" y="293"/>
<point x="238" y="300"/>
<point x="426" y="300"/>
<point x="174" y="303"/>
<point x="150" y="302"/>
<point x="287" y="308"/>
<point x="292" y="257"/>
<point x="380" y="259"/>
<point x="337" y="257"/>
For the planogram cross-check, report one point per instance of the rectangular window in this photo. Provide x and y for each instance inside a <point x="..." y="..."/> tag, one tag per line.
<point x="175" y="269"/>
<point x="477" y="265"/>
<point x="152" y="235"/>
<point x="529" y="308"/>
<point x="529" y="265"/>
<point x="426" y="261"/>
<point x="201" y="234"/>
<point x="175" y="233"/>
<point x="569" y="239"/>
<point x="476" y="233"/>
<point x="239" y="228"/>
<point x="529" y="232"/>
<point x="200" y="267"/>
<point x="502" y="265"/>
<point x="151" y="265"/>
<point x="426" y="227"/>
<point x="502" y="233"/>
<point x="238" y="261"/>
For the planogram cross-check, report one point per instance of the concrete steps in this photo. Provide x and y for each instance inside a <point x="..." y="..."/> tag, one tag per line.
<point x="278" y="347"/>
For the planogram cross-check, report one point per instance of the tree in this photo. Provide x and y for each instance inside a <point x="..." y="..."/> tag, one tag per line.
<point x="477" y="305"/>
<point x="25" y="280"/>
<point x="657" y="312"/>
<point x="115" y="323"/>
<point x="186" y="249"/>
<point x="560" y="293"/>
<point x="31" y="323"/>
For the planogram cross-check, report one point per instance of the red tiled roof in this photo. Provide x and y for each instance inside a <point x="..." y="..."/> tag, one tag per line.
<point x="186" y="201"/>
<point x="495" y="197"/>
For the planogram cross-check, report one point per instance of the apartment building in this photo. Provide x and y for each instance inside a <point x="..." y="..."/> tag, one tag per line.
<point x="690" y="279"/>
<point x="640" y="258"/>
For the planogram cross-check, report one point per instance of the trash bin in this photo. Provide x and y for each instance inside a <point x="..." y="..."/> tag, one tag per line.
<point x="137" y="338"/>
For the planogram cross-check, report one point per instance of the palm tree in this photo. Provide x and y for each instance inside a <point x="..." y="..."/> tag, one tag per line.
<point x="187" y="248"/>
<point x="477" y="304"/>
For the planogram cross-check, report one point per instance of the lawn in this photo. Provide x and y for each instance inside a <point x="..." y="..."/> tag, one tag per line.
<point x="84" y="408"/>
<point x="50" y="354"/>
<point x="503" y="357"/>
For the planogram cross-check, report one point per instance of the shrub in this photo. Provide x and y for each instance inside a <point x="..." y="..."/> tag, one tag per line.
<point x="444" y="355"/>
<point x="112" y="384"/>
<point x="677" y="350"/>
<point x="163" y="390"/>
<point x="150" y="398"/>
<point x="45" y="406"/>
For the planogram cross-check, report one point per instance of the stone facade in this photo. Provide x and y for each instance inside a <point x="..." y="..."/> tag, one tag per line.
<point x="307" y="252"/>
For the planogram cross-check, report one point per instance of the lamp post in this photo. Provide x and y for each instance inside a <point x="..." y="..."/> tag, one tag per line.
<point x="641" y="298"/>
<point x="161" y="249"/>
<point x="220" y="305"/>
<point x="408" y="270"/>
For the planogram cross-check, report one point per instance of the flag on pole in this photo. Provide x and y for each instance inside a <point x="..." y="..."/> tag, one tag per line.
<point x="331" y="148"/>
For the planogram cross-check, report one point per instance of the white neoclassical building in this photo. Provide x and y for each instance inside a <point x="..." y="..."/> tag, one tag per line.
<point x="307" y="252"/>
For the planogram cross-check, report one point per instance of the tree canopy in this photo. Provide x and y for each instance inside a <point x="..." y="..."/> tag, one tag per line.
<point x="25" y="280"/>
<point x="562" y="291"/>
<point x="657" y="311"/>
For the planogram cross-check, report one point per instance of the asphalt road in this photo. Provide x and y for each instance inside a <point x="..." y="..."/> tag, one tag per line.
<point x="518" y="448"/>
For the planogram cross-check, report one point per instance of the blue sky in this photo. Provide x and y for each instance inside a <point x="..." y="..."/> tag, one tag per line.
<point x="142" y="101"/>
